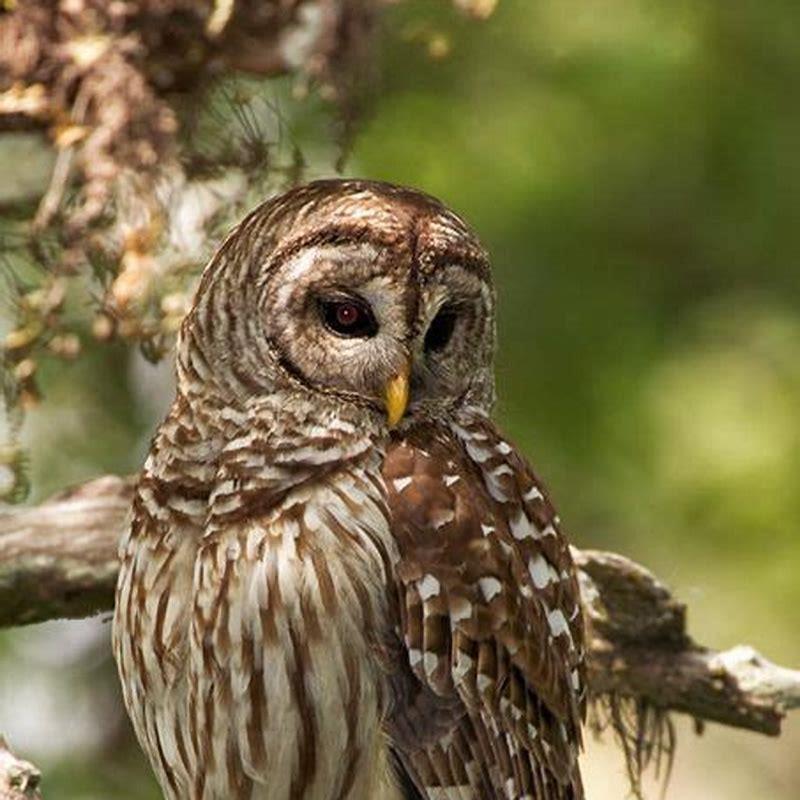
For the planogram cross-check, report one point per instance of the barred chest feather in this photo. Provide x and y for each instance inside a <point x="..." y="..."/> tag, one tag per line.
<point x="304" y="613"/>
<point x="266" y="604"/>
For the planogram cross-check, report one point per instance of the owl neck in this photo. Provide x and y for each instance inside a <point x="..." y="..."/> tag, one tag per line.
<point x="206" y="452"/>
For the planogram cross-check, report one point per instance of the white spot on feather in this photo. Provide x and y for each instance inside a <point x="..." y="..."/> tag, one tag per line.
<point x="542" y="572"/>
<point x="522" y="528"/>
<point x="460" y="609"/>
<point x="558" y="622"/>
<point x="533" y="494"/>
<point x="477" y="453"/>
<point x="225" y="487"/>
<point x="429" y="587"/>
<point x="401" y="483"/>
<point x="449" y="480"/>
<point x="495" y="487"/>
<point x="490" y="587"/>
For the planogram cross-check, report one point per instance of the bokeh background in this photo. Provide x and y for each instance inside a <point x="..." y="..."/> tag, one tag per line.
<point x="634" y="168"/>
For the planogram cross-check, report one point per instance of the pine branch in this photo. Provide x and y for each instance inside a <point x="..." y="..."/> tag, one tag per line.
<point x="58" y="560"/>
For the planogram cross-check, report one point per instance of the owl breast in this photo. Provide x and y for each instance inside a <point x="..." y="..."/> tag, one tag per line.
<point x="305" y="617"/>
<point x="271" y="679"/>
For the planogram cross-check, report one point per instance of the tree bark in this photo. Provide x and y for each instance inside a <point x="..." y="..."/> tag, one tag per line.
<point x="19" y="780"/>
<point x="59" y="560"/>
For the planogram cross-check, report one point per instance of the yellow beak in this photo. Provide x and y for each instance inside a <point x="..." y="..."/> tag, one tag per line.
<point x="396" y="396"/>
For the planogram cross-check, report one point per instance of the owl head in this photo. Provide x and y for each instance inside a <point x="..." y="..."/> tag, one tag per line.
<point x="354" y="292"/>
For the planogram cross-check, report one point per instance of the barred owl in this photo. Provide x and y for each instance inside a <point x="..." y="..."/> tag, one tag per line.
<point x="340" y="580"/>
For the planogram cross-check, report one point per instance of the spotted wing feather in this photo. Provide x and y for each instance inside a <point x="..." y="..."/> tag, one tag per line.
<point x="489" y="613"/>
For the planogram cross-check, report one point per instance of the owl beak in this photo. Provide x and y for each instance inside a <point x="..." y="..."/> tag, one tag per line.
<point x="396" y="396"/>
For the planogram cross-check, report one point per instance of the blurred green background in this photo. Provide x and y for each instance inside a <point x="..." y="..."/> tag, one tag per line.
<point x="634" y="168"/>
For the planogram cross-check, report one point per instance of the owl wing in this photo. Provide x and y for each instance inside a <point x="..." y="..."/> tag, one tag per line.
<point x="490" y="616"/>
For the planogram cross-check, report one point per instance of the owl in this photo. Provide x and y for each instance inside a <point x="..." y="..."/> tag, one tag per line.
<point x="341" y="582"/>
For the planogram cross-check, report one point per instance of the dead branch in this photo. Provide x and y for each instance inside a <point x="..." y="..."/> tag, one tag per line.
<point x="639" y="648"/>
<point x="59" y="560"/>
<point x="19" y="780"/>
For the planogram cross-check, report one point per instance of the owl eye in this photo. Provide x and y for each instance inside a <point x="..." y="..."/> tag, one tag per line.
<point x="349" y="317"/>
<point x="440" y="330"/>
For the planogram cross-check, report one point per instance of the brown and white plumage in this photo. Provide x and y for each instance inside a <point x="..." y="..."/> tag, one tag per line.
<point x="312" y="605"/>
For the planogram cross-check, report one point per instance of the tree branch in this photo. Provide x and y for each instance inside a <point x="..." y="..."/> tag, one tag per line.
<point x="19" y="780"/>
<point x="59" y="560"/>
<point x="639" y="648"/>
